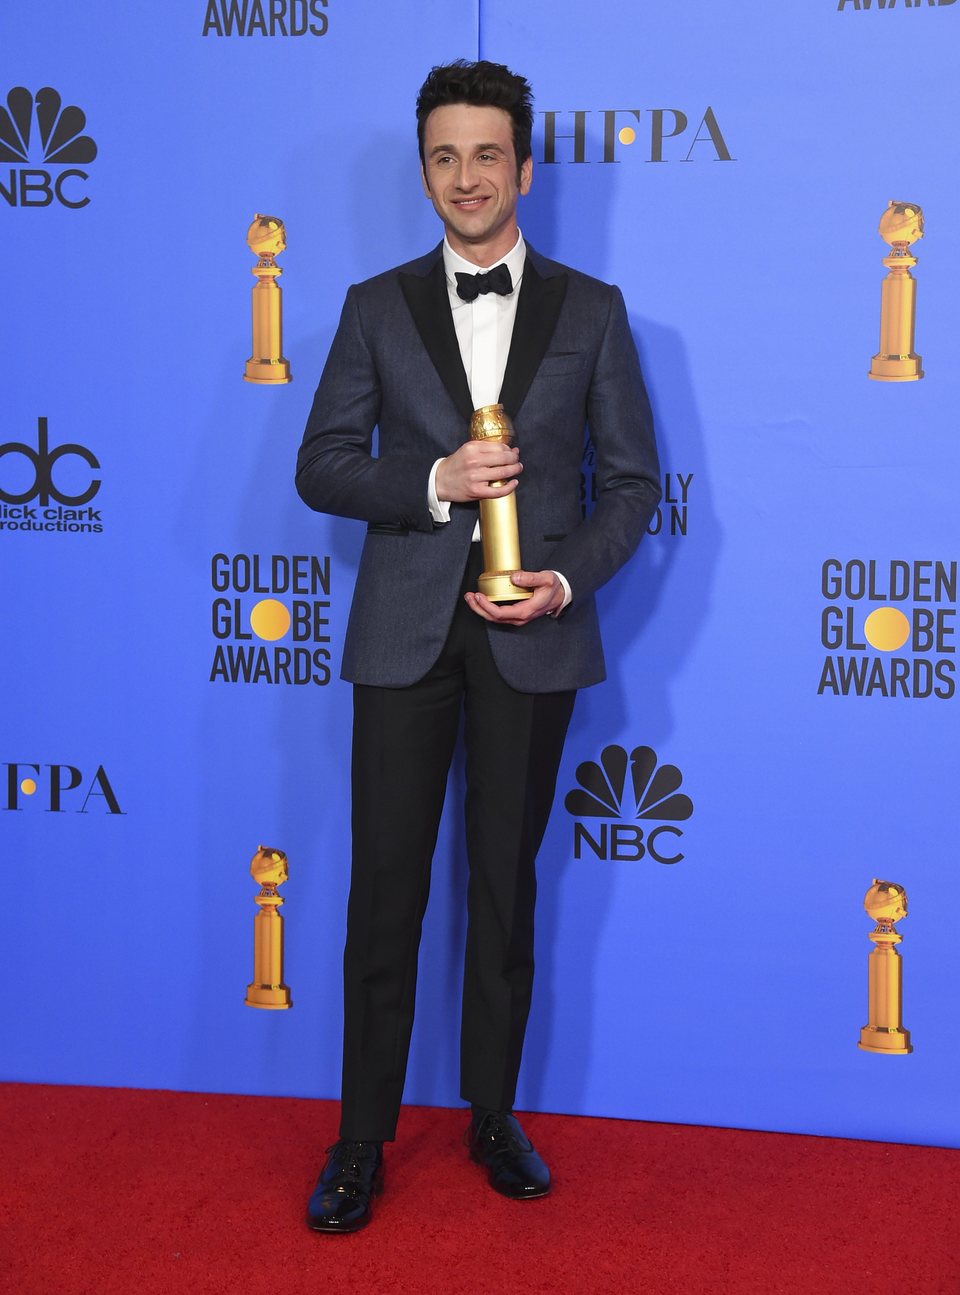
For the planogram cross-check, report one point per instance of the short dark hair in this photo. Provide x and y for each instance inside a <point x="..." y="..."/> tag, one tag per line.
<point x="488" y="85"/>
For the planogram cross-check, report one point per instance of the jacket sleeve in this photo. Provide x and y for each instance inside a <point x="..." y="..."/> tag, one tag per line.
<point x="627" y="468"/>
<point x="336" y="470"/>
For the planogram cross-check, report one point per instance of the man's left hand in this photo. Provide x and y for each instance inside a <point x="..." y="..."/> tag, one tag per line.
<point x="548" y="596"/>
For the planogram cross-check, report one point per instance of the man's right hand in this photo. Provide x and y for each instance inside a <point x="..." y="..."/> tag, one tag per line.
<point x="466" y="474"/>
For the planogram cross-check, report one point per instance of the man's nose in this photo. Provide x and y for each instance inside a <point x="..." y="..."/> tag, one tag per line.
<point x="466" y="175"/>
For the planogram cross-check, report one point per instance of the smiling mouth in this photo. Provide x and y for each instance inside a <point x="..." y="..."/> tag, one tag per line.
<point x="469" y="203"/>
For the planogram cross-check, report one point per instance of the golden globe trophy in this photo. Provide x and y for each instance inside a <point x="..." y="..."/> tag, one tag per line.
<point x="900" y="225"/>
<point x="269" y="868"/>
<point x="498" y="517"/>
<point x="266" y="238"/>
<point x="886" y="902"/>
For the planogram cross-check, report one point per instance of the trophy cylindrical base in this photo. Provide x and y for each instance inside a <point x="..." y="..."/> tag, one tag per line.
<point x="498" y="587"/>
<point x="896" y="368"/>
<point x="267" y="372"/>
<point x="896" y="361"/>
<point x="272" y="997"/>
<point x="893" y="1041"/>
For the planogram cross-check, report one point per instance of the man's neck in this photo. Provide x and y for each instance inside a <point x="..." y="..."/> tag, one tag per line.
<point x="483" y="261"/>
<point x="483" y="255"/>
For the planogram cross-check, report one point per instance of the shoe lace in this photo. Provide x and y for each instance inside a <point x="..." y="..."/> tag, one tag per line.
<point x="499" y="1137"/>
<point x="351" y="1159"/>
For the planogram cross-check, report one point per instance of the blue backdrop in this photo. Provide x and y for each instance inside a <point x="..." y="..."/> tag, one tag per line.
<point x="727" y="166"/>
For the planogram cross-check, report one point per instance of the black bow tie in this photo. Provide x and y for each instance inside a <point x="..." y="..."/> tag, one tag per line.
<point x="470" y="286"/>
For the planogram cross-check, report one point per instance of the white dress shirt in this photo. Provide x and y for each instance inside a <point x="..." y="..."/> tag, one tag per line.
<point x="484" y="330"/>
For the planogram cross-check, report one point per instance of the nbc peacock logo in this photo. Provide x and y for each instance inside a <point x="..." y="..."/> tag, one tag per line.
<point x="653" y="797"/>
<point x="43" y="142"/>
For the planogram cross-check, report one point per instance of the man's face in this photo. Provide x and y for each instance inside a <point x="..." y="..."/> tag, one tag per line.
<point x="470" y="176"/>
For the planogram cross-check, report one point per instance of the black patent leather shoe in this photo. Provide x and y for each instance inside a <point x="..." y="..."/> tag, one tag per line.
<point x="352" y="1176"/>
<point x="513" y="1167"/>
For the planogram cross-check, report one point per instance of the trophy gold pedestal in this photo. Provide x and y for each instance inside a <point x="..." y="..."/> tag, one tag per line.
<point x="266" y="238"/>
<point x="900" y="225"/>
<point x="499" y="532"/>
<point x="886" y="902"/>
<point x="269" y="868"/>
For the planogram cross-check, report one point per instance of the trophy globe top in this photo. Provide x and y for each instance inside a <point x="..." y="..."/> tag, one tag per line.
<point x="266" y="235"/>
<point x="491" y="423"/>
<point x="269" y="867"/>
<point x="901" y="223"/>
<point x="885" y="901"/>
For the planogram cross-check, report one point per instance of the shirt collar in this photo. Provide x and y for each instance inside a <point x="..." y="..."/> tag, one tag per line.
<point x="454" y="263"/>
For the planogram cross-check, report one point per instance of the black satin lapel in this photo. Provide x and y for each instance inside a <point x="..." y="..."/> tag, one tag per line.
<point x="429" y="305"/>
<point x="538" y="309"/>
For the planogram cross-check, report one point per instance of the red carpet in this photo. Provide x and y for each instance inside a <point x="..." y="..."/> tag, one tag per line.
<point x="111" y="1190"/>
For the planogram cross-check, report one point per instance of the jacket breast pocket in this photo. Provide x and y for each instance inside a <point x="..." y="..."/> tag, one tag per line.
<point x="556" y="363"/>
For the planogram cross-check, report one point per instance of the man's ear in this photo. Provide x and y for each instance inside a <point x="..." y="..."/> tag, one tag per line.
<point x="424" y="182"/>
<point x="526" y="175"/>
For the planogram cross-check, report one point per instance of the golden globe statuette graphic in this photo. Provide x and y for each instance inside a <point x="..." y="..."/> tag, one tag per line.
<point x="269" y="868"/>
<point x="498" y="517"/>
<point x="886" y="902"/>
<point x="900" y="225"/>
<point x="266" y="238"/>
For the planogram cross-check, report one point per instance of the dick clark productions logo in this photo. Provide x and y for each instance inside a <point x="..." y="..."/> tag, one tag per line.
<point x="37" y="129"/>
<point x="653" y="799"/>
<point x="31" y="509"/>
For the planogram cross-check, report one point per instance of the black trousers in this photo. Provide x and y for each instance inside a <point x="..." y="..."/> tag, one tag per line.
<point x="403" y="743"/>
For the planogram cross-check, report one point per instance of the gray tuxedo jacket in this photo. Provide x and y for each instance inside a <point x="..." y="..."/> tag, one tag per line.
<point x="395" y="366"/>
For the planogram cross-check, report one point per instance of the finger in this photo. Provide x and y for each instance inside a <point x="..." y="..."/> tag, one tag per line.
<point x="533" y="579"/>
<point x="482" y="490"/>
<point x="547" y="590"/>
<point x="483" y="455"/>
<point x="472" y="602"/>
<point x="491" y="611"/>
<point x="543" y="601"/>
<point x="490" y="466"/>
<point x="540" y="596"/>
<point x="519" y="613"/>
<point x="491" y="449"/>
<point x="490" y="472"/>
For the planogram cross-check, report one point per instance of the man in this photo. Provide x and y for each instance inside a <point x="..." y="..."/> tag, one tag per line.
<point x="480" y="319"/>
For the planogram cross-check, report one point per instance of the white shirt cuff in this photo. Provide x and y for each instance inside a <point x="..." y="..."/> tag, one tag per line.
<point x="440" y="508"/>
<point x="567" y="593"/>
